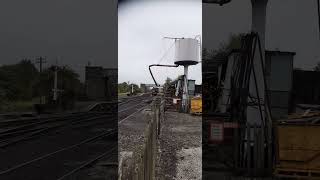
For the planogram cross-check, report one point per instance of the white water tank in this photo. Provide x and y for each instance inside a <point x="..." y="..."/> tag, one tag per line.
<point x="186" y="51"/>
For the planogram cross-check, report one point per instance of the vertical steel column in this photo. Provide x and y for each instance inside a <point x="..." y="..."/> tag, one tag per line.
<point x="185" y="97"/>
<point x="258" y="26"/>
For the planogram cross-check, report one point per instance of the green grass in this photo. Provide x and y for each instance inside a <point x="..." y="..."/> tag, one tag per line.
<point x="23" y="105"/>
<point x="120" y="95"/>
<point x="17" y="106"/>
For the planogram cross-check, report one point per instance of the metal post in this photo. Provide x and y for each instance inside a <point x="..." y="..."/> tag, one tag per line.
<point x="132" y="89"/>
<point x="55" y="90"/>
<point x="257" y="87"/>
<point x="185" y="97"/>
<point x="41" y="60"/>
<point x="258" y="26"/>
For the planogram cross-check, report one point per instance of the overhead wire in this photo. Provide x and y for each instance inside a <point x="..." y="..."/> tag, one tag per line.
<point x="166" y="53"/>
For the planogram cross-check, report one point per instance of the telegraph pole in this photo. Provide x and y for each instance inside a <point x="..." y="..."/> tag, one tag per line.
<point x="40" y="61"/>
<point x="55" y="85"/>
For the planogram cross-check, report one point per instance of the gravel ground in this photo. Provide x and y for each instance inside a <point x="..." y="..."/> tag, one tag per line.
<point x="179" y="148"/>
<point x="189" y="164"/>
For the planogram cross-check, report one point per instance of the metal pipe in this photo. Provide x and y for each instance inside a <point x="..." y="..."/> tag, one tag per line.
<point x="258" y="26"/>
<point x="220" y="2"/>
<point x="163" y="65"/>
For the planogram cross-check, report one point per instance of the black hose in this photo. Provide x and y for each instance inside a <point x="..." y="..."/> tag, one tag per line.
<point x="220" y="2"/>
<point x="159" y="65"/>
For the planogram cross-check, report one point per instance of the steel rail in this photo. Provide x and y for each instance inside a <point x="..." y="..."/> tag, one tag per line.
<point x="105" y="134"/>
<point x="6" y="142"/>
<point x="89" y="162"/>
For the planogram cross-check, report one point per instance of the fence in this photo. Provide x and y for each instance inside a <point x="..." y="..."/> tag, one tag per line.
<point x="144" y="167"/>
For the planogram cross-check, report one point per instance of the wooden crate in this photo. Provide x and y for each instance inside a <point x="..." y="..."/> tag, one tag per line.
<point x="299" y="149"/>
<point x="297" y="174"/>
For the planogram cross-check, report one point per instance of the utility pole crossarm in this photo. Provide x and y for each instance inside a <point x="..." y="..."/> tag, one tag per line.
<point x="40" y="61"/>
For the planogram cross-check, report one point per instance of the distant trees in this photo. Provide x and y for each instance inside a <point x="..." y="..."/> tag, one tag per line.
<point x="210" y="86"/>
<point x="234" y="42"/>
<point x="167" y="82"/>
<point x="17" y="81"/>
<point x="123" y="87"/>
<point x="23" y="82"/>
<point x="68" y="82"/>
<point x="126" y="87"/>
<point x="136" y="88"/>
<point x="317" y="67"/>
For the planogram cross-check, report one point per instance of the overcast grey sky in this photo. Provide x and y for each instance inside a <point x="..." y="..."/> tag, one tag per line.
<point x="291" y="26"/>
<point x="76" y="30"/>
<point x="141" y="28"/>
<point x="82" y="30"/>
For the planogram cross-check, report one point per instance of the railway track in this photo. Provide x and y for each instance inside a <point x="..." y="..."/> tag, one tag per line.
<point x="132" y="106"/>
<point x="66" y="146"/>
<point x="33" y="130"/>
<point x="78" y="140"/>
<point x="76" y="158"/>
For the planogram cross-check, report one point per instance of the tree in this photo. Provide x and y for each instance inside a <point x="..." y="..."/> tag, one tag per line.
<point x="136" y="88"/>
<point x="317" y="67"/>
<point x="211" y="89"/>
<point x="16" y="81"/>
<point x="168" y="80"/>
<point x="126" y="87"/>
<point x="123" y="87"/>
<point x="68" y="82"/>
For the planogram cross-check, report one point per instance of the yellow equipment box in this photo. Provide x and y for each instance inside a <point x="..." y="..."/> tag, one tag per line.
<point x="299" y="150"/>
<point x="196" y="105"/>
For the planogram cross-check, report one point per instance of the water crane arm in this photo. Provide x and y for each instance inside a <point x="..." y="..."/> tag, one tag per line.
<point x="158" y="65"/>
<point x="220" y="2"/>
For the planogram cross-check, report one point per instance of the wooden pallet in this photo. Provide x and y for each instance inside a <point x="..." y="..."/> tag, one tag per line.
<point x="297" y="174"/>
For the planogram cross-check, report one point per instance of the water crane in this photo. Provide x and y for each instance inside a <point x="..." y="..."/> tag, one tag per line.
<point x="187" y="53"/>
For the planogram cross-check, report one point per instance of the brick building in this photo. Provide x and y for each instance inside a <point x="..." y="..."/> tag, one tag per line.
<point x="101" y="83"/>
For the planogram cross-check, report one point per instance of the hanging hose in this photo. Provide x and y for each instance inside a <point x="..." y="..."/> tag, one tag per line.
<point x="155" y="82"/>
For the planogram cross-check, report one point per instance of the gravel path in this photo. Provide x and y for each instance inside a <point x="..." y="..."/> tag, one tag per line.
<point x="179" y="148"/>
